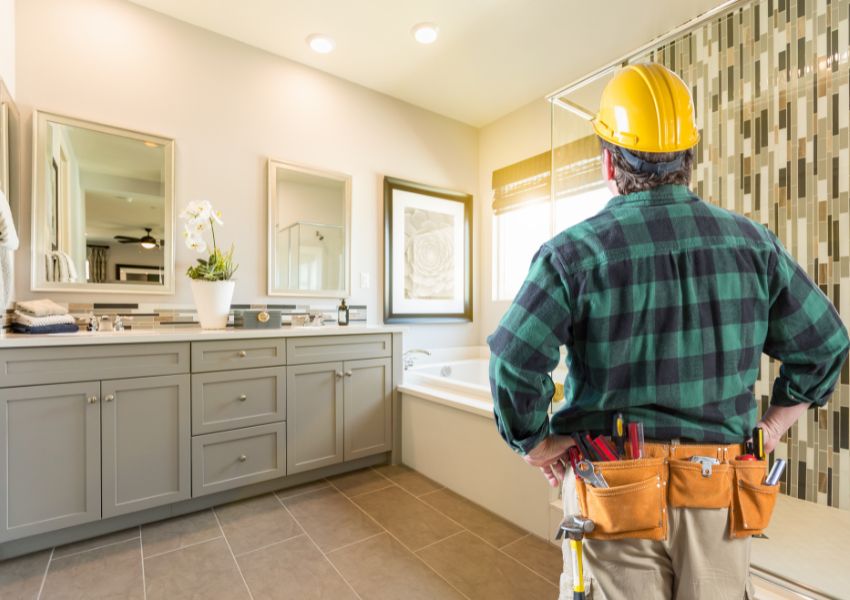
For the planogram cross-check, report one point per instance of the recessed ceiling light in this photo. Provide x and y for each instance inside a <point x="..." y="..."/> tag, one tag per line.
<point x="426" y="33"/>
<point x="321" y="43"/>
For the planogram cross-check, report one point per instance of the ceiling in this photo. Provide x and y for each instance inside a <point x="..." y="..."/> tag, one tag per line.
<point x="492" y="56"/>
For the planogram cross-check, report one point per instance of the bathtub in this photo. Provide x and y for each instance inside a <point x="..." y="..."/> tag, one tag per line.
<point x="449" y="434"/>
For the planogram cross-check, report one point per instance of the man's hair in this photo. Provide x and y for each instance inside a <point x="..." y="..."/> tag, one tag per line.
<point x="630" y="180"/>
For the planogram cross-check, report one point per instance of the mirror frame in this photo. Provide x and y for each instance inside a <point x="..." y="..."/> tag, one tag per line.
<point x="273" y="166"/>
<point x="10" y="149"/>
<point x="39" y="216"/>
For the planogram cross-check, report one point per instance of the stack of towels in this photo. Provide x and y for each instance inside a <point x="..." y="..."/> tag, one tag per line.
<point x="42" y="316"/>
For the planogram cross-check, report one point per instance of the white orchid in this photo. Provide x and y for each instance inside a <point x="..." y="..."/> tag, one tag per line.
<point x="215" y="215"/>
<point x="196" y="244"/>
<point x="200" y="216"/>
<point x="197" y="210"/>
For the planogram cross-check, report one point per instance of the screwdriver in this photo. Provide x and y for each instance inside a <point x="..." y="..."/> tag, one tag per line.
<point x="618" y="434"/>
<point x="758" y="443"/>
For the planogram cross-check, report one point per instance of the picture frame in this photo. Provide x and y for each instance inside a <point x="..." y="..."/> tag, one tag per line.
<point x="427" y="253"/>
<point x="139" y="273"/>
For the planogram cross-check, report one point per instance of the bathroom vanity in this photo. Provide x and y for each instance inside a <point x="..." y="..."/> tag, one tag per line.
<point x="102" y="431"/>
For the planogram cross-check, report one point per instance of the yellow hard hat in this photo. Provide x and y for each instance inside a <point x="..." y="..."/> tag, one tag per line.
<point x="648" y="108"/>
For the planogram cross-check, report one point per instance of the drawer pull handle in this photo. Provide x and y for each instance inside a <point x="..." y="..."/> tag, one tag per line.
<point x="349" y="373"/>
<point x="109" y="398"/>
<point x="241" y="354"/>
<point x="338" y="374"/>
<point x="243" y="397"/>
<point x="92" y="399"/>
<point x="243" y="458"/>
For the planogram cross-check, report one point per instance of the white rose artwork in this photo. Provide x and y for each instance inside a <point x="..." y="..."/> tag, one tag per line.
<point x="429" y="255"/>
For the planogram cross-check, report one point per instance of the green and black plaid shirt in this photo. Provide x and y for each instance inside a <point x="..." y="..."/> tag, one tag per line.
<point x="665" y="304"/>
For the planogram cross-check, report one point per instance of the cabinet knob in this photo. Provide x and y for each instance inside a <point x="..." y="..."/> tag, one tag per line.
<point x="109" y="398"/>
<point x="349" y="373"/>
<point x="92" y="399"/>
<point x="241" y="354"/>
<point x="243" y="397"/>
<point x="338" y="374"/>
<point x="243" y="458"/>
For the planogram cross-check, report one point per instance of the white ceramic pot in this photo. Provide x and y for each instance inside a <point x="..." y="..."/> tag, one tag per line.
<point x="212" y="300"/>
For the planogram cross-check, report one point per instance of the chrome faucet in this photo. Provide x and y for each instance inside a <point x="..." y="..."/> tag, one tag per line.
<point x="408" y="358"/>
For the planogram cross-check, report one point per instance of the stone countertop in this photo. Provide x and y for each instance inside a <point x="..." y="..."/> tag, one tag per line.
<point x="181" y="334"/>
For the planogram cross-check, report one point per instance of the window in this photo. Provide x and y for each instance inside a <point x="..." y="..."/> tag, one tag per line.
<point x="524" y="215"/>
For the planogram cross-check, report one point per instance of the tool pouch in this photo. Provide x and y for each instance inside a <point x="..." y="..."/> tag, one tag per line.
<point x="753" y="501"/>
<point x="633" y="506"/>
<point x="689" y="488"/>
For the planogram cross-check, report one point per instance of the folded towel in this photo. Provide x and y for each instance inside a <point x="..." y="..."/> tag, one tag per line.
<point x="41" y="308"/>
<point x="30" y="321"/>
<point x="59" y="328"/>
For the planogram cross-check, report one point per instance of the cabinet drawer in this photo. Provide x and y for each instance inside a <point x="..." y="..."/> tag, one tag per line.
<point x="221" y="461"/>
<point x="308" y="350"/>
<point x="238" y="354"/>
<point x="231" y="399"/>
<point x="29" y="366"/>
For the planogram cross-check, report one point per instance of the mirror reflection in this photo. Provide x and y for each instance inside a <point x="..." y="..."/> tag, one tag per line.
<point x="308" y="238"/>
<point x="9" y="148"/>
<point x="104" y="198"/>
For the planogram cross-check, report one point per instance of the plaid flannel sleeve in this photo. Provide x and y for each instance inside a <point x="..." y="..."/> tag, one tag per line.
<point x="805" y="332"/>
<point x="525" y="348"/>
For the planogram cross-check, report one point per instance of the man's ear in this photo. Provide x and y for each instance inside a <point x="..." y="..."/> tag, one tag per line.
<point x="608" y="171"/>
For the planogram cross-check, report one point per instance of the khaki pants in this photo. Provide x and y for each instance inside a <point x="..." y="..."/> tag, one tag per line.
<point x="698" y="561"/>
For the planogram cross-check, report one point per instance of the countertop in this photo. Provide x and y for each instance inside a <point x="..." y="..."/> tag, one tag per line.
<point x="181" y="334"/>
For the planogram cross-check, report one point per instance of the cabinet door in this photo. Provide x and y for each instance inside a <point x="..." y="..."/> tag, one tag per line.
<point x="49" y="458"/>
<point x="368" y="407"/>
<point x="146" y="443"/>
<point x="314" y="416"/>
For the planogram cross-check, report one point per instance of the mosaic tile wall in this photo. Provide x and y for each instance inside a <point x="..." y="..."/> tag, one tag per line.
<point x="770" y="82"/>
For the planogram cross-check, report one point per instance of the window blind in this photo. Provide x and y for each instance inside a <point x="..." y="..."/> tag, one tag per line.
<point x="578" y="166"/>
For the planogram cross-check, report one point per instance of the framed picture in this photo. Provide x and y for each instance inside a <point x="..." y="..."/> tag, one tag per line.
<point x="427" y="254"/>
<point x="139" y="273"/>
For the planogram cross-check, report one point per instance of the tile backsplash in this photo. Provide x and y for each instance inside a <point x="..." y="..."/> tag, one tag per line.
<point x="770" y="83"/>
<point x="149" y="315"/>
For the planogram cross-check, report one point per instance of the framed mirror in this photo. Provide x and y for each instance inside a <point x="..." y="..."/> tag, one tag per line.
<point x="102" y="207"/>
<point x="10" y="148"/>
<point x="309" y="232"/>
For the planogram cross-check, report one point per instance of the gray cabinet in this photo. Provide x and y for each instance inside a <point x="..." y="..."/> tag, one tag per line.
<point x="314" y="416"/>
<point x="367" y="407"/>
<point x="49" y="458"/>
<point x="146" y="450"/>
<point x="338" y="411"/>
<point x="230" y="399"/>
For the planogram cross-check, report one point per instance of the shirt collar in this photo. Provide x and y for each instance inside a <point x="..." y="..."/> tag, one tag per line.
<point x="663" y="194"/>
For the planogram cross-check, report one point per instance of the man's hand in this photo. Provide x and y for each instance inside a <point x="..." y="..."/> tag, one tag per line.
<point x="551" y="456"/>
<point x="776" y="421"/>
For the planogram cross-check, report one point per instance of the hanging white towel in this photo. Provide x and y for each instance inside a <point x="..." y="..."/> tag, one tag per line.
<point x="9" y="242"/>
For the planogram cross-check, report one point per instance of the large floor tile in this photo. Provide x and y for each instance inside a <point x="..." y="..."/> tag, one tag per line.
<point x="331" y="519"/>
<point x="482" y="572"/>
<point x="360" y="482"/>
<point x="415" y="483"/>
<point x="256" y="522"/>
<point x="415" y="524"/>
<point x="292" y="570"/>
<point x="302" y="489"/>
<point x="382" y="569"/>
<point x="538" y="555"/>
<point x="203" y="571"/>
<point x="20" y="578"/>
<point x="480" y="521"/>
<point x="103" y="540"/>
<point x="179" y="532"/>
<point x="109" y="572"/>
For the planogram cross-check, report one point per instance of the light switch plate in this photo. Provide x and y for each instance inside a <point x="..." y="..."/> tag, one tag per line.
<point x="364" y="281"/>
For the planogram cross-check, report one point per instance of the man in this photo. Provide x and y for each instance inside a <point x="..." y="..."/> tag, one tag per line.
<point x="665" y="304"/>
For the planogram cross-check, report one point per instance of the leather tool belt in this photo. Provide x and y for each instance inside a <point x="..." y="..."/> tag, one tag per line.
<point x="635" y="503"/>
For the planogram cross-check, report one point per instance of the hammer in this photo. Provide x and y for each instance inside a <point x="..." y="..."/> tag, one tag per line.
<point x="575" y="526"/>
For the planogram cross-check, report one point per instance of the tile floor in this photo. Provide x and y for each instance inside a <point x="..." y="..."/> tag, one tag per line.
<point x="382" y="533"/>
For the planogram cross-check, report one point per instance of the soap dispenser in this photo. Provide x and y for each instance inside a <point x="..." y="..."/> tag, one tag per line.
<point x="342" y="313"/>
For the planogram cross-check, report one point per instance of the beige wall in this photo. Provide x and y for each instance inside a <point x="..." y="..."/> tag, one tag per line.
<point x="230" y="107"/>
<point x="7" y="43"/>
<point x="514" y="137"/>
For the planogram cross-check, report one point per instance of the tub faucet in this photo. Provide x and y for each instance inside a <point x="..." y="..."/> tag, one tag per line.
<point x="408" y="358"/>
